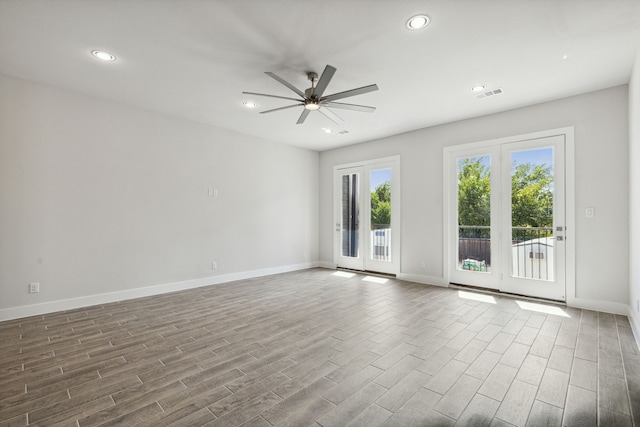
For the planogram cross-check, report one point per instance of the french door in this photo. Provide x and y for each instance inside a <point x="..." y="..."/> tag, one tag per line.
<point x="366" y="216"/>
<point x="509" y="204"/>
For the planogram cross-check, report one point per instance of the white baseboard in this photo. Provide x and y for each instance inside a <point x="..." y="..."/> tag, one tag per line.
<point x="327" y="264"/>
<point x="420" y="278"/>
<point x="597" y="305"/>
<point x="635" y="325"/>
<point x="89" y="300"/>
<point x="417" y="278"/>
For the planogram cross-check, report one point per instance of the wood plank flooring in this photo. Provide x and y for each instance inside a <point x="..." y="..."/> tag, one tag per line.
<point x="316" y="348"/>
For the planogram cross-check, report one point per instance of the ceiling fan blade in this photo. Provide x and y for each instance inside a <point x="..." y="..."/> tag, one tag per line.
<point x="271" y="96"/>
<point x="303" y="116"/>
<point x="286" y="83"/>
<point x="352" y="92"/>
<point x="331" y="115"/>
<point x="325" y="78"/>
<point x="281" y="108"/>
<point x="354" y="107"/>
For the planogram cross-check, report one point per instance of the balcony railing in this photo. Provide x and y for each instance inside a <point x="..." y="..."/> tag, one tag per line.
<point x="531" y="257"/>
<point x="532" y="252"/>
<point x="381" y="242"/>
<point x="474" y="247"/>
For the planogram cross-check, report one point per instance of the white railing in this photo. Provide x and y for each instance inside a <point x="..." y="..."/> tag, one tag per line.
<point x="380" y="242"/>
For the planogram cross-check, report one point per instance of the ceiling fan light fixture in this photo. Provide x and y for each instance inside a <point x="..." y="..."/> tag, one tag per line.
<point x="103" y="55"/>
<point x="418" y="22"/>
<point x="250" y="104"/>
<point x="312" y="105"/>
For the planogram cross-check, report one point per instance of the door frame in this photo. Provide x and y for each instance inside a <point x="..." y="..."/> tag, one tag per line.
<point x="354" y="263"/>
<point x="450" y="217"/>
<point x="394" y="163"/>
<point x="521" y="285"/>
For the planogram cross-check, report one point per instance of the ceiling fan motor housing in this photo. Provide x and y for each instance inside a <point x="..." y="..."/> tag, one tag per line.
<point x="308" y="93"/>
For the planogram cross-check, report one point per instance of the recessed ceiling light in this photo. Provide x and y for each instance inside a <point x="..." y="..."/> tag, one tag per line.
<point x="417" y="22"/>
<point x="103" y="55"/>
<point x="478" y="88"/>
<point x="326" y="130"/>
<point x="249" y="104"/>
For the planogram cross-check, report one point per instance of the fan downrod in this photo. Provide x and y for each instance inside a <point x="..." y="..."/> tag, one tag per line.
<point x="309" y="93"/>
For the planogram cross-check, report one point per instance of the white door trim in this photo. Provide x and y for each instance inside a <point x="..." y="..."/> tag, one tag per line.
<point x="570" y="245"/>
<point x="393" y="161"/>
<point x="554" y="287"/>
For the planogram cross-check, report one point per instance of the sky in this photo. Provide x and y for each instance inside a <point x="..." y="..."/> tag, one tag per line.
<point x="379" y="176"/>
<point x="537" y="157"/>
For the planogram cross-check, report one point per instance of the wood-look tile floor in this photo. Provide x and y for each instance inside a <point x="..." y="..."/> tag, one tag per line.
<point x="315" y="348"/>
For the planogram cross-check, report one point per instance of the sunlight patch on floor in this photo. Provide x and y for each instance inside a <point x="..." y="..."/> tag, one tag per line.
<point x="373" y="279"/>
<point x="542" y="308"/>
<point x="343" y="274"/>
<point x="477" y="297"/>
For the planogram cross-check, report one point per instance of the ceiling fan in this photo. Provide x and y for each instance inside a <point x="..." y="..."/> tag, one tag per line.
<point x="313" y="99"/>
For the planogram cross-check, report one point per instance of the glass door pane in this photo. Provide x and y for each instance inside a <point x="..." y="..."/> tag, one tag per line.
<point x="474" y="213"/>
<point x="380" y="208"/>
<point x="350" y="184"/>
<point x="532" y="194"/>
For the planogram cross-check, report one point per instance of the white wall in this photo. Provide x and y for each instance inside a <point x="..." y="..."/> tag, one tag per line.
<point x="97" y="197"/>
<point x="634" y="196"/>
<point x="602" y="181"/>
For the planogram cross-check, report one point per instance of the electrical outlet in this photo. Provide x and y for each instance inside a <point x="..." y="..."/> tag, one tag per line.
<point x="214" y="265"/>
<point x="34" y="288"/>
<point x="423" y="265"/>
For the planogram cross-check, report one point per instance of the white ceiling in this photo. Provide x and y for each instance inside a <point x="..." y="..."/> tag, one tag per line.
<point x="193" y="58"/>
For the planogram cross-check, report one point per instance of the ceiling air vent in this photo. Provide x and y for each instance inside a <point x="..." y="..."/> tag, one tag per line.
<point x="489" y="93"/>
<point x="342" y="132"/>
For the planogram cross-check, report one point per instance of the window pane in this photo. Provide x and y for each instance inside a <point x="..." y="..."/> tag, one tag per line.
<point x="380" y="199"/>
<point x="350" y="215"/>
<point x="474" y="213"/>
<point x="532" y="237"/>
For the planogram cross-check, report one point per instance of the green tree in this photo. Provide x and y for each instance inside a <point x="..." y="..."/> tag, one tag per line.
<point x="531" y="195"/>
<point x="474" y="192"/>
<point x="381" y="205"/>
